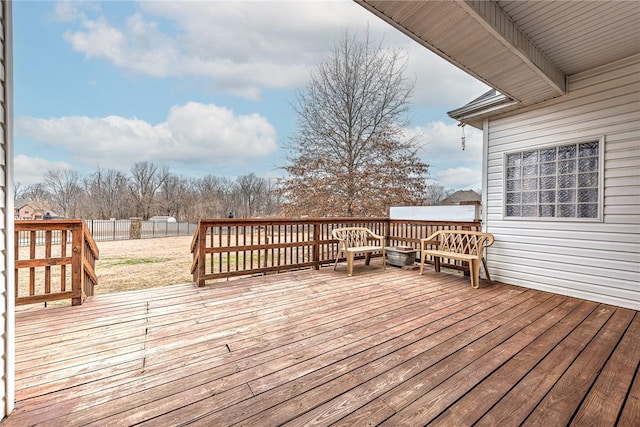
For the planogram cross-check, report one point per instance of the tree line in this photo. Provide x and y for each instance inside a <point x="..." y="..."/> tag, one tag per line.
<point x="148" y="190"/>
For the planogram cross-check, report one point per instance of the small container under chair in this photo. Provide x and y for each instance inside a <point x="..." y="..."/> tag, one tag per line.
<point x="401" y="256"/>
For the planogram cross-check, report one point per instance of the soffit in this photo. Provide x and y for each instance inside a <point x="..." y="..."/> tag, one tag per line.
<point x="579" y="35"/>
<point x="524" y="49"/>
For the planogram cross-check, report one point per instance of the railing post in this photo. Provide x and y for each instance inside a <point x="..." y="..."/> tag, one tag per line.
<point x="77" y="272"/>
<point x="387" y="232"/>
<point x="202" y="248"/>
<point x="316" y="246"/>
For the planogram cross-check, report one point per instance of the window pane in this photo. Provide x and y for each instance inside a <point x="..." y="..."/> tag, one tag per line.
<point x="567" y="152"/>
<point x="547" y="168"/>
<point x="548" y="210"/>
<point x="567" y="166"/>
<point x="561" y="181"/>
<point x="566" y="181"/>
<point x="547" y="154"/>
<point x="588" y="180"/>
<point x="590" y="164"/>
<point x="514" y="185"/>
<point x="566" y="196"/>
<point x="548" y="182"/>
<point x="513" y="173"/>
<point x="530" y="197"/>
<point x="513" y="198"/>
<point x="514" y="160"/>
<point x="588" y="211"/>
<point x="530" y="157"/>
<point x="588" y="149"/>
<point x="547" y="197"/>
<point x="588" y="195"/>
<point x="513" y="211"/>
<point x="567" y="211"/>
<point x="530" y="184"/>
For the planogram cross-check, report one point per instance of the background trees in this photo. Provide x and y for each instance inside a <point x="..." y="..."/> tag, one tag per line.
<point x="65" y="191"/>
<point x="350" y="156"/>
<point x="150" y="190"/>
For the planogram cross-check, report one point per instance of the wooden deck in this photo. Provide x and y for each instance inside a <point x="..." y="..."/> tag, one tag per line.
<point x="317" y="347"/>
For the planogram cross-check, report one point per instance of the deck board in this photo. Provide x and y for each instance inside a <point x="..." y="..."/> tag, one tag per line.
<point x="310" y="347"/>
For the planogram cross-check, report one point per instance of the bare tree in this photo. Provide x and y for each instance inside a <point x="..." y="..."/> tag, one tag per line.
<point x="146" y="180"/>
<point x="19" y="190"/>
<point x="65" y="190"/>
<point x="108" y="194"/>
<point x="273" y="198"/>
<point x="37" y="193"/>
<point x="350" y="156"/>
<point x="174" y="193"/>
<point x="436" y="193"/>
<point x="214" y="196"/>
<point x="252" y="194"/>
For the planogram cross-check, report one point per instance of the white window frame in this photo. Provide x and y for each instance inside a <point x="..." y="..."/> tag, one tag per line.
<point x="598" y="218"/>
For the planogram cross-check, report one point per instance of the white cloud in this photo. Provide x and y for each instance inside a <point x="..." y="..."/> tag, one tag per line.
<point x="459" y="178"/>
<point x="194" y="134"/>
<point x="438" y="83"/>
<point x="449" y="165"/>
<point x="70" y="11"/>
<point x="243" y="46"/>
<point x="29" y="170"/>
<point x="248" y="46"/>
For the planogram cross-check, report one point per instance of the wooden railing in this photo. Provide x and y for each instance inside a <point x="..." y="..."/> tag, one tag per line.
<point x="54" y="260"/>
<point x="224" y="248"/>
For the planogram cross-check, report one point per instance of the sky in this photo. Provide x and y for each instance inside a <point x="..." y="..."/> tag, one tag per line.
<point x="203" y="87"/>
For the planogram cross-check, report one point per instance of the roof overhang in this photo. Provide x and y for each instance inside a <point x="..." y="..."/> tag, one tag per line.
<point x="480" y="38"/>
<point x="482" y="107"/>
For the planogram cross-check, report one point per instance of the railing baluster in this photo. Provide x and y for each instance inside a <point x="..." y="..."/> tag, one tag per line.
<point x="47" y="269"/>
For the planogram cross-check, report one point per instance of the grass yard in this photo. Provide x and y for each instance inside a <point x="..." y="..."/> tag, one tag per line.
<point x="146" y="263"/>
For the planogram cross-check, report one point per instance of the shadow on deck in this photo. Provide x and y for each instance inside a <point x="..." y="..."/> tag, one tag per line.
<point x="320" y="347"/>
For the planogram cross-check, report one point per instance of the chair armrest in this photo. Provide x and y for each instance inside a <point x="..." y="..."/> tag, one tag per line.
<point x="376" y="237"/>
<point x="489" y="241"/>
<point x="431" y="240"/>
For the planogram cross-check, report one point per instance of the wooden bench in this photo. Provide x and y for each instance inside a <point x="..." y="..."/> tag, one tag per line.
<point x="354" y="240"/>
<point x="458" y="244"/>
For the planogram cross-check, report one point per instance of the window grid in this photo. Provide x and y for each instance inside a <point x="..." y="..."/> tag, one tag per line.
<point x="553" y="182"/>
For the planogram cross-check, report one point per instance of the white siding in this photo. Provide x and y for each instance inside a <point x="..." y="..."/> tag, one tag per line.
<point x="6" y="215"/>
<point x="598" y="261"/>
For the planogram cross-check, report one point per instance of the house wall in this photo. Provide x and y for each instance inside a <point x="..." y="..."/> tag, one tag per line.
<point x="7" y="296"/>
<point x="599" y="260"/>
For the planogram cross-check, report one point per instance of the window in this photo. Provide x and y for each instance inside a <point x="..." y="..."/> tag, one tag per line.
<point x="554" y="182"/>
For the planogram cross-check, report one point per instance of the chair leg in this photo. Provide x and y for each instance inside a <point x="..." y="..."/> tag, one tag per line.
<point x="337" y="258"/>
<point x="423" y="255"/>
<point x="350" y="256"/>
<point x="475" y="273"/>
<point x="384" y="260"/>
<point x="367" y="260"/>
<point x="486" y="270"/>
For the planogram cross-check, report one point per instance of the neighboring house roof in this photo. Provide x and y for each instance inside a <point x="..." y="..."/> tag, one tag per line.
<point x="19" y="204"/>
<point x="526" y="50"/>
<point x="462" y="196"/>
